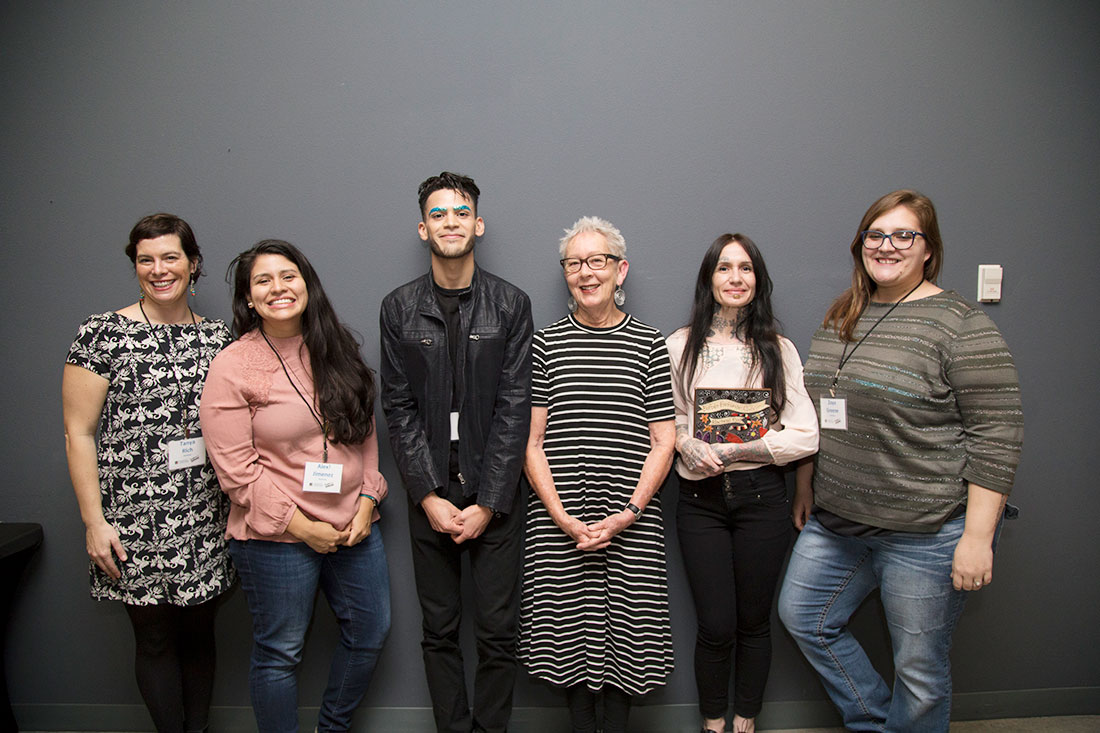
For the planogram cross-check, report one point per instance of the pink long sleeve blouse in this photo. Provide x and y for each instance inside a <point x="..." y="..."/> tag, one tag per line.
<point x="796" y="440"/>
<point x="259" y="435"/>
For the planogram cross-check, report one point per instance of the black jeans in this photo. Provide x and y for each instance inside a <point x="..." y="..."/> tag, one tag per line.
<point x="734" y="532"/>
<point x="496" y="558"/>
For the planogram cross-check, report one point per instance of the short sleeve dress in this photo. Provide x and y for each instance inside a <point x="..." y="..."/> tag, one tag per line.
<point x="597" y="617"/>
<point x="172" y="523"/>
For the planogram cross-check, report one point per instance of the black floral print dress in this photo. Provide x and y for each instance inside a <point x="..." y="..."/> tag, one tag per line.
<point x="171" y="523"/>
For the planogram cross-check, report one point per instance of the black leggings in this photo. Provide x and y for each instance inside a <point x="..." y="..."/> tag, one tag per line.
<point x="582" y="709"/>
<point x="174" y="663"/>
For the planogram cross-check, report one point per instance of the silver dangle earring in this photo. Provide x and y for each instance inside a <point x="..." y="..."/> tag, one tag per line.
<point x="571" y="304"/>
<point x="192" y="288"/>
<point x="620" y="296"/>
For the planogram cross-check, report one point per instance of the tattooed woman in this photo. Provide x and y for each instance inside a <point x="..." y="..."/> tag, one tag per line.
<point x="733" y="514"/>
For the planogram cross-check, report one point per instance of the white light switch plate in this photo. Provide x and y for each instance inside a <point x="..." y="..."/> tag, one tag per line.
<point x="989" y="283"/>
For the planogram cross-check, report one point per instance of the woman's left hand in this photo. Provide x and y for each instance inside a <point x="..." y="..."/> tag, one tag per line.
<point x="361" y="523"/>
<point x="602" y="532"/>
<point x="801" y="507"/>
<point x="972" y="565"/>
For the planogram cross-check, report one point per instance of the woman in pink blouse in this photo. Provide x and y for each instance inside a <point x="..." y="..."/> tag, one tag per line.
<point x="287" y="414"/>
<point x="733" y="517"/>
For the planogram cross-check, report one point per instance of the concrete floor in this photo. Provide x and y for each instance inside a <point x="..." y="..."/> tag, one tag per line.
<point x="1062" y="724"/>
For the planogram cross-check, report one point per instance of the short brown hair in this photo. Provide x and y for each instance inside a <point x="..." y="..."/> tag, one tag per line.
<point x="158" y="225"/>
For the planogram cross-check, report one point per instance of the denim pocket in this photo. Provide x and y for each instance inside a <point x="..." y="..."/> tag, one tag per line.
<point x="773" y="495"/>
<point x="762" y="487"/>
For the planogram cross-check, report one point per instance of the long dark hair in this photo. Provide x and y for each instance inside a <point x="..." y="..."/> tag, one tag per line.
<point x="343" y="382"/>
<point x="845" y="311"/>
<point x="756" y="325"/>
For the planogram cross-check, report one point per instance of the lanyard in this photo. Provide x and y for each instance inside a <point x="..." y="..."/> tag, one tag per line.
<point x="845" y="356"/>
<point x="312" y="412"/>
<point x="175" y="369"/>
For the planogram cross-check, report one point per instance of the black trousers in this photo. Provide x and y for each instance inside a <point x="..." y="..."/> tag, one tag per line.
<point x="734" y="532"/>
<point x="496" y="558"/>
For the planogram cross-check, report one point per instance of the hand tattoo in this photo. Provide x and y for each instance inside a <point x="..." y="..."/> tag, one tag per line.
<point x="694" y="452"/>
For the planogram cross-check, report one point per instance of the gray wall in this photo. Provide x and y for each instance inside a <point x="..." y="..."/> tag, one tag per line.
<point x="314" y="122"/>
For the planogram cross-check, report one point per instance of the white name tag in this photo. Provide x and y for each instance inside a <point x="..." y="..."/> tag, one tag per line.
<point x="834" y="413"/>
<point x="454" y="426"/>
<point x="324" y="478"/>
<point x="185" y="453"/>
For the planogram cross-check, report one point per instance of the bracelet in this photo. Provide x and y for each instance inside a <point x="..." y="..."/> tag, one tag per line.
<point x="372" y="499"/>
<point x="635" y="510"/>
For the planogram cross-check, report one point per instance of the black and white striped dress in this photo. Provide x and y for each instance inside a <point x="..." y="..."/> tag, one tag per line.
<point x="597" y="617"/>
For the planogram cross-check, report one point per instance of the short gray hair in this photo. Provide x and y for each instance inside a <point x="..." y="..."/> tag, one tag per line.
<point x="615" y="242"/>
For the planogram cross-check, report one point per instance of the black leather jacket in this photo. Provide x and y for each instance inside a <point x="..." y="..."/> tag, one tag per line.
<point x="494" y="397"/>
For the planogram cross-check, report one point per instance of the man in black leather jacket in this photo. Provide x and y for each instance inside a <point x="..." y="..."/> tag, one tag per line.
<point x="456" y="375"/>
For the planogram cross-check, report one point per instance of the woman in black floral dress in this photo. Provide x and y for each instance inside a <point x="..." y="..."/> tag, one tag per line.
<point x="154" y="513"/>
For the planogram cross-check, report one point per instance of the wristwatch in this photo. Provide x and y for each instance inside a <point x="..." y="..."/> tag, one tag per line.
<point x="635" y="510"/>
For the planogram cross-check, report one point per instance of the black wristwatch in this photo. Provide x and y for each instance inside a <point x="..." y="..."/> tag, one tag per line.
<point x="635" y="510"/>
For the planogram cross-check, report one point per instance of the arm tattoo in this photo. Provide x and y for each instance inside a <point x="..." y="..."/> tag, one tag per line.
<point x="752" y="452"/>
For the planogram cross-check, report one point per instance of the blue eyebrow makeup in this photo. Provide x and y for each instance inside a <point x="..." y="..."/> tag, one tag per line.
<point x="443" y="209"/>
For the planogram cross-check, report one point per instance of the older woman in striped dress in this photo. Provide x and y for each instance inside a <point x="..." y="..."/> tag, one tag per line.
<point x="594" y="611"/>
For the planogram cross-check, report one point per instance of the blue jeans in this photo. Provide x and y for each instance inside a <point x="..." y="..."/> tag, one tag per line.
<point x="828" y="578"/>
<point x="280" y="581"/>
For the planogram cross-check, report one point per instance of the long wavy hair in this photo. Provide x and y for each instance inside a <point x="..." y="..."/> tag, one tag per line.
<point x="343" y="382"/>
<point x="845" y="311"/>
<point x="756" y="324"/>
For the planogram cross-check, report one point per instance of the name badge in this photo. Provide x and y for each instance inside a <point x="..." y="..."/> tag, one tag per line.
<point x="454" y="426"/>
<point x="185" y="453"/>
<point x="324" y="478"/>
<point x="834" y="413"/>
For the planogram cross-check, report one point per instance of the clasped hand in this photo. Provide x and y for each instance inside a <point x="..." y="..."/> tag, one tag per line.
<point x="460" y="524"/>
<point x="597" y="535"/>
<point x="699" y="457"/>
<point x="324" y="538"/>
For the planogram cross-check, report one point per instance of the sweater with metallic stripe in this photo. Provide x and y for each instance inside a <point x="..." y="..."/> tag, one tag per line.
<point x="933" y="402"/>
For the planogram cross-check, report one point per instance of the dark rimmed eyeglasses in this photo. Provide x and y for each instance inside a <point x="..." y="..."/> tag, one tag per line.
<point x="594" y="262"/>
<point x="873" y="239"/>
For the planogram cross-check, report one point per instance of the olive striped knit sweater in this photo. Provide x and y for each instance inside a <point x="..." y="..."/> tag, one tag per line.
<point x="933" y="402"/>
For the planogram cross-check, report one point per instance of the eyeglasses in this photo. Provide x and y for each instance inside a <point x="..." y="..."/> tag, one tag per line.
<point x="594" y="262"/>
<point x="899" y="240"/>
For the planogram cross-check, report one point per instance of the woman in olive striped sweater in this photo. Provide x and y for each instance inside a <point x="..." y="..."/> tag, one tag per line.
<point x="921" y="430"/>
